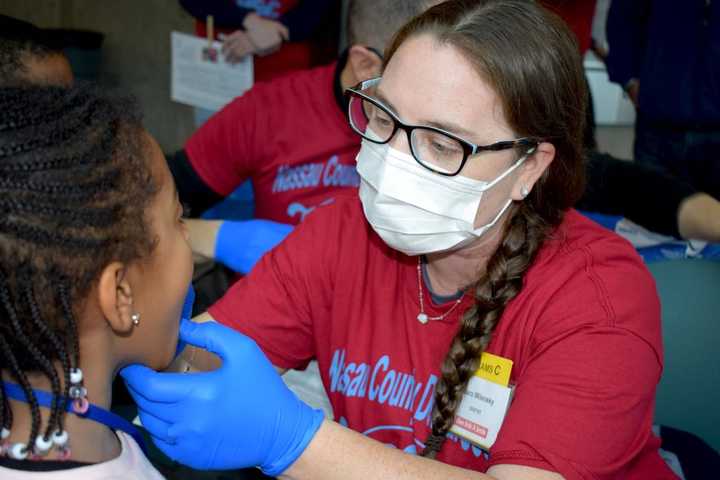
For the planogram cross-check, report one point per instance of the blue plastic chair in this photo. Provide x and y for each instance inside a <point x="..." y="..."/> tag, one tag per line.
<point x="688" y="397"/>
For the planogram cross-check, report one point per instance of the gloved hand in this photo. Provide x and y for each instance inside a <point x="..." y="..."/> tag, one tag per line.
<point x="240" y="244"/>
<point x="185" y="315"/>
<point x="240" y="415"/>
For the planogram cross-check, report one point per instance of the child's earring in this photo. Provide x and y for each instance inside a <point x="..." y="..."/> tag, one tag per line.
<point x="135" y="317"/>
<point x="524" y="192"/>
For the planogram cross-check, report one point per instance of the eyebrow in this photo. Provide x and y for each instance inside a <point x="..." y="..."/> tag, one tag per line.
<point x="450" y="127"/>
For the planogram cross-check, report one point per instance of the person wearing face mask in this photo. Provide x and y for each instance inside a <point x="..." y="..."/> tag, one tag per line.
<point x="467" y="322"/>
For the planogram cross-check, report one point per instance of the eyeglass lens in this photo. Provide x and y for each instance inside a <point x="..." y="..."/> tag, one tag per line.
<point x="433" y="149"/>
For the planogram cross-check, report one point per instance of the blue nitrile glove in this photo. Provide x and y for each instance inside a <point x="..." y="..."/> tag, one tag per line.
<point x="185" y="315"/>
<point x="240" y="415"/>
<point x="240" y="244"/>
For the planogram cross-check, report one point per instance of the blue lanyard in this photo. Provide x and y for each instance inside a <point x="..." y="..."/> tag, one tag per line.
<point x="94" y="413"/>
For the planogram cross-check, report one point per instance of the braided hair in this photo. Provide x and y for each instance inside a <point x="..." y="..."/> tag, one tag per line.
<point x="74" y="186"/>
<point x="531" y="60"/>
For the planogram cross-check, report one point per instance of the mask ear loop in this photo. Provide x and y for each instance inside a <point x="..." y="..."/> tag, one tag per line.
<point x="488" y="226"/>
<point x="510" y="170"/>
<point x="480" y="230"/>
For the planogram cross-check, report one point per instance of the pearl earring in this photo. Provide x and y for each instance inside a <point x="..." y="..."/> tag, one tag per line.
<point x="135" y="317"/>
<point x="524" y="192"/>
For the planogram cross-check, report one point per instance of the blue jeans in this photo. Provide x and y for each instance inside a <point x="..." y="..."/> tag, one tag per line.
<point x="691" y="155"/>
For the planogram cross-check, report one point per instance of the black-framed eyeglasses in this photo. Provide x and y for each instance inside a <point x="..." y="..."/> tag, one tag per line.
<point x="434" y="148"/>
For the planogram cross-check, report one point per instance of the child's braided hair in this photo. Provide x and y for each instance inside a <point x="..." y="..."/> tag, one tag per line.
<point x="74" y="186"/>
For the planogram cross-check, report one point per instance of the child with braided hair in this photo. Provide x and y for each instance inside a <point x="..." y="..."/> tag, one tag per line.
<point x="94" y="266"/>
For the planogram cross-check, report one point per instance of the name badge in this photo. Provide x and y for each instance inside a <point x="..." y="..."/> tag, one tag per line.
<point x="485" y="402"/>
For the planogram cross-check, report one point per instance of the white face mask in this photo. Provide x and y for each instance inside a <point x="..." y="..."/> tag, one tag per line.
<point x="415" y="210"/>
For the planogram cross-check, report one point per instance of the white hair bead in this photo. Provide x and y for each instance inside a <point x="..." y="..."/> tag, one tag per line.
<point x="41" y="445"/>
<point x="4" y="433"/>
<point x="76" y="375"/>
<point x="18" y="451"/>
<point x="60" y="437"/>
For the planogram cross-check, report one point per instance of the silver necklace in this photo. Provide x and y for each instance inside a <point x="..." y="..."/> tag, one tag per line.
<point x="422" y="316"/>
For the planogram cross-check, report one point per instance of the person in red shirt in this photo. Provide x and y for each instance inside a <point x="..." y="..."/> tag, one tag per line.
<point x="460" y="257"/>
<point x="290" y="137"/>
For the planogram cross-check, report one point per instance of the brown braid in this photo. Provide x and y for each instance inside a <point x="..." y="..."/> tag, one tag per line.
<point x="530" y="59"/>
<point x="501" y="282"/>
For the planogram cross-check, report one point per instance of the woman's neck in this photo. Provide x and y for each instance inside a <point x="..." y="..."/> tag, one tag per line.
<point x="89" y="441"/>
<point x="458" y="269"/>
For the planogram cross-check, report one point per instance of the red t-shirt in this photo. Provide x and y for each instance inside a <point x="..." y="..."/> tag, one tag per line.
<point x="584" y="335"/>
<point x="290" y="137"/>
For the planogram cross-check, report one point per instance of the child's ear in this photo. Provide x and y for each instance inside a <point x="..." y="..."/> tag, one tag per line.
<point x="115" y="297"/>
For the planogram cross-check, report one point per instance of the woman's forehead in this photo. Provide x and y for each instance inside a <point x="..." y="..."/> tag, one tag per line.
<point x="430" y="81"/>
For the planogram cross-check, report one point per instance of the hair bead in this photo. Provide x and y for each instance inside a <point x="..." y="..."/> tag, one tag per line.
<point x="60" y="438"/>
<point x="76" y="376"/>
<point x="42" y="445"/>
<point x="18" y="451"/>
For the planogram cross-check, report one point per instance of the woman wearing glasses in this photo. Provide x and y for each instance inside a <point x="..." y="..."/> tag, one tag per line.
<point x="461" y="313"/>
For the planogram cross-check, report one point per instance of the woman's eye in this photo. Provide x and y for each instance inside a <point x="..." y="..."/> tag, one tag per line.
<point x="439" y="147"/>
<point x="381" y="118"/>
<point x="443" y="148"/>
